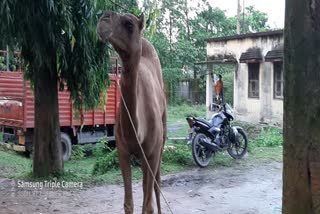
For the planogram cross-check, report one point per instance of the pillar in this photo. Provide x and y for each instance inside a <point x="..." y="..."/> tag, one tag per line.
<point x="209" y="89"/>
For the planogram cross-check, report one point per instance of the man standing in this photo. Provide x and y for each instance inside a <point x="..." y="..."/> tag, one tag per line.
<point x="219" y="90"/>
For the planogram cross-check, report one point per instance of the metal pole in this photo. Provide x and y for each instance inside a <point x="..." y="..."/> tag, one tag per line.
<point x="8" y="58"/>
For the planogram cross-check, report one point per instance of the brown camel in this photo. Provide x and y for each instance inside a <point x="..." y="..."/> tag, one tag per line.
<point x="142" y="87"/>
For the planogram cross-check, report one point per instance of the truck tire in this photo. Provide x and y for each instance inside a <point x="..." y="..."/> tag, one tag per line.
<point x="66" y="146"/>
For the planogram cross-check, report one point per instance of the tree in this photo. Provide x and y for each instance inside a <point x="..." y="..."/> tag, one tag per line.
<point x="58" y="42"/>
<point x="254" y="21"/>
<point x="180" y="35"/>
<point x="301" y="156"/>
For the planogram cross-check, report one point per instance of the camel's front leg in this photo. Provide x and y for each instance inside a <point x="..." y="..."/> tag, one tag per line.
<point x="148" y="183"/>
<point x="124" y="162"/>
<point x="156" y="188"/>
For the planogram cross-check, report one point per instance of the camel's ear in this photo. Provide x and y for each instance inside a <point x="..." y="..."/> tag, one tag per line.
<point x="141" y="22"/>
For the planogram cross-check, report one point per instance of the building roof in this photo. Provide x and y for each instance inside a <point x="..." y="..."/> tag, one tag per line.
<point x="246" y="35"/>
<point x="251" y="54"/>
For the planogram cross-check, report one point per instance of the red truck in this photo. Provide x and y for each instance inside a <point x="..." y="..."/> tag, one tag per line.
<point x="17" y="114"/>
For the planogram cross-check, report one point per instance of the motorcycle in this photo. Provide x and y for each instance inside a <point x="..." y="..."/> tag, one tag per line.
<point x="207" y="137"/>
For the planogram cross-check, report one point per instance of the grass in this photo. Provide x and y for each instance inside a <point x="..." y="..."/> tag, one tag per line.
<point x="177" y="124"/>
<point x="178" y="114"/>
<point x="13" y="164"/>
<point x="180" y="130"/>
<point x="265" y="146"/>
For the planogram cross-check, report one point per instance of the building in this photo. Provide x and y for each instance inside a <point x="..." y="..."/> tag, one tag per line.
<point x="258" y="77"/>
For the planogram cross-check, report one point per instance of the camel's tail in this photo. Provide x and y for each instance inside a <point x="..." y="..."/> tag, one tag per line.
<point x="164" y="123"/>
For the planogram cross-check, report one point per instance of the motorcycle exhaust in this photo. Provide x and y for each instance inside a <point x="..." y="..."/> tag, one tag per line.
<point x="211" y="146"/>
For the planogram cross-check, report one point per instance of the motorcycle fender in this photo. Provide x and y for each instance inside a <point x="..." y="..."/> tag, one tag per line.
<point x="238" y="128"/>
<point x="235" y="132"/>
<point x="191" y="133"/>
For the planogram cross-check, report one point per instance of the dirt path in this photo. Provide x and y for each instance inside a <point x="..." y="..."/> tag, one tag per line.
<point x="234" y="190"/>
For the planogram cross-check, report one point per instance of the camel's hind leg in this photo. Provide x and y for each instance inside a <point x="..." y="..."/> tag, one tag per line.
<point x="157" y="175"/>
<point x="124" y="162"/>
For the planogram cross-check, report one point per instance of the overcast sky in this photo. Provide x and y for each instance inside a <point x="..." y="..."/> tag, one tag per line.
<point x="273" y="8"/>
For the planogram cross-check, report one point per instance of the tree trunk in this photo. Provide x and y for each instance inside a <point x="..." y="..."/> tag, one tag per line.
<point x="301" y="174"/>
<point x="46" y="143"/>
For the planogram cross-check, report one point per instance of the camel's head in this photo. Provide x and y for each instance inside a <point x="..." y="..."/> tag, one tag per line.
<point x="122" y="31"/>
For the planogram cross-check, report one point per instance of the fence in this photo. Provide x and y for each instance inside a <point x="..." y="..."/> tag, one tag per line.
<point x="191" y="91"/>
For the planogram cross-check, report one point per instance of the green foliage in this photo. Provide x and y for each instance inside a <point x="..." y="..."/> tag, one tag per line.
<point x="228" y="87"/>
<point x="101" y="148"/>
<point x="171" y="77"/>
<point x="14" y="61"/>
<point x="181" y="101"/>
<point x="269" y="137"/>
<point x="59" y="37"/>
<point x="78" y="152"/>
<point x="107" y="159"/>
<point x="106" y="163"/>
<point x="254" y="21"/>
<point x="252" y="130"/>
<point x="1" y="136"/>
<point x="177" y="154"/>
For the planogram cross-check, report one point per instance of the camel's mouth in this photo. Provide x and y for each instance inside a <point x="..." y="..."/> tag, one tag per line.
<point x="104" y="31"/>
<point x="104" y="35"/>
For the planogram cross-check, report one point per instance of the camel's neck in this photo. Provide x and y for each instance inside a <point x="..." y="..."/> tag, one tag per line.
<point x="129" y="78"/>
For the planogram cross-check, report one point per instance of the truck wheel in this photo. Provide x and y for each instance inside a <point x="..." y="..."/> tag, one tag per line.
<point x="66" y="146"/>
<point x="30" y="154"/>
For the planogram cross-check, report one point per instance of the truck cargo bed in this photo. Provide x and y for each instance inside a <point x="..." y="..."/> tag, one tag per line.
<point x="17" y="104"/>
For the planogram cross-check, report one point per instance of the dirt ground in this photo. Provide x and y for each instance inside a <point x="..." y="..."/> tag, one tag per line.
<point x="233" y="190"/>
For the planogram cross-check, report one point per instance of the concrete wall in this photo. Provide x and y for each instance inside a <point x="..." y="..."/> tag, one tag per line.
<point x="266" y="108"/>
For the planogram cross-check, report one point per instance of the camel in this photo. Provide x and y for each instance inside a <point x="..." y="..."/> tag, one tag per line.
<point x="143" y="91"/>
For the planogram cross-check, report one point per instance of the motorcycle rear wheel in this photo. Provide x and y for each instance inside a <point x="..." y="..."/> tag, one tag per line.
<point x="238" y="149"/>
<point x="200" y="154"/>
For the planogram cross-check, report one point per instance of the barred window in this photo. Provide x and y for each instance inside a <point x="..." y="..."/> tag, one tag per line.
<point x="278" y="80"/>
<point x="253" y="70"/>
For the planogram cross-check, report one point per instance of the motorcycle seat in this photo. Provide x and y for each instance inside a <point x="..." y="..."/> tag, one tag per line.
<point x="208" y="123"/>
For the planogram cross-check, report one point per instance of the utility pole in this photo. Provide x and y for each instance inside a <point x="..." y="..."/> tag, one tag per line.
<point x="238" y="17"/>
<point x="243" y="22"/>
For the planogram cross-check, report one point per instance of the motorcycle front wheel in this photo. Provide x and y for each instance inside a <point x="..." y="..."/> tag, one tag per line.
<point x="238" y="149"/>
<point x="200" y="154"/>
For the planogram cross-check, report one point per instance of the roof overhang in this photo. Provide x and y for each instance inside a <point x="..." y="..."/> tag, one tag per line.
<point x="274" y="55"/>
<point x="251" y="55"/>
<point x="217" y="62"/>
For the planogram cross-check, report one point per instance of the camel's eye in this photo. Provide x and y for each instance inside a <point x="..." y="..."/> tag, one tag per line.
<point x="106" y="16"/>
<point x="129" y="25"/>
